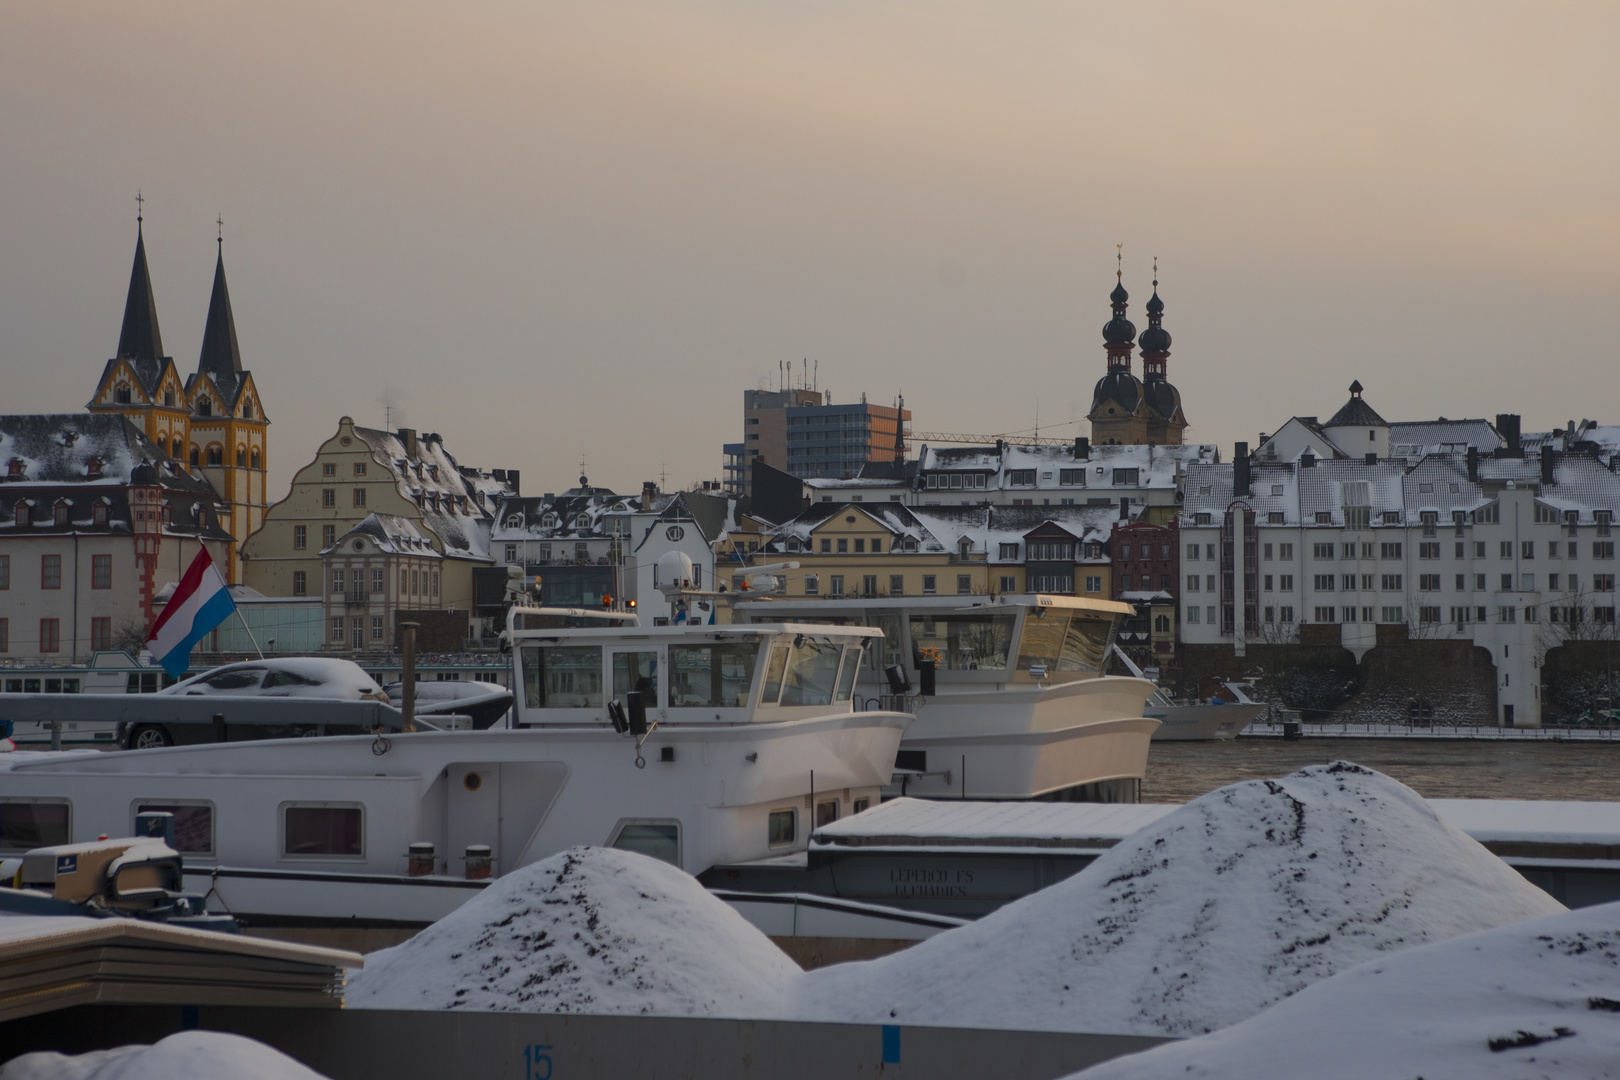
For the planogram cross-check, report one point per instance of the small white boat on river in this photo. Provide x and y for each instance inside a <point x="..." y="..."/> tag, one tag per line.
<point x="1019" y="707"/>
<point x="699" y="745"/>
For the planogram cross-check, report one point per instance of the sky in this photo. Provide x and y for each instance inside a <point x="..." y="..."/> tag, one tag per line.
<point x="562" y="233"/>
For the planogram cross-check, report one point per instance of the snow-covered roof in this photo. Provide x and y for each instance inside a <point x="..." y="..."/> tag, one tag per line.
<point x="1415" y="438"/>
<point x="430" y="477"/>
<point x="392" y="533"/>
<point x="1157" y="466"/>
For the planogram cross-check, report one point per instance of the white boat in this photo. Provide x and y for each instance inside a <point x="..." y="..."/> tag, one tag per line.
<point x="741" y="740"/>
<point x="1019" y="708"/>
<point x="1210" y="721"/>
<point x="110" y="671"/>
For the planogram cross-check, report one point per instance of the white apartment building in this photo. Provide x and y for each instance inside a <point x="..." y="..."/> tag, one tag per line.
<point x="1510" y="552"/>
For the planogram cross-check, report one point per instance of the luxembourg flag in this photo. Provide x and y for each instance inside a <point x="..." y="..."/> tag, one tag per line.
<point x="200" y="603"/>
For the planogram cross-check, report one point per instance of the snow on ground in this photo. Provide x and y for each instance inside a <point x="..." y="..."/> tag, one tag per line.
<point x="1228" y="905"/>
<point x="189" y="1055"/>
<point x="1537" y="999"/>
<point x="590" y="930"/>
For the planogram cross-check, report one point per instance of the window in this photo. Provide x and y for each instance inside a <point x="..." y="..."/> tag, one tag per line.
<point x="928" y="585"/>
<point x="1603" y="549"/>
<point x="300" y="537"/>
<point x="376" y="580"/>
<point x="1285" y="551"/>
<point x="1429" y="550"/>
<point x="1527" y="549"/>
<point x="101" y="571"/>
<point x="328" y="536"/>
<point x="194" y="457"/>
<point x="1390" y="615"/>
<point x="376" y="628"/>
<point x="300" y="583"/>
<point x="1390" y="582"/>
<point x="826" y="546"/>
<point x="1347" y="551"/>
<point x="1126" y="477"/>
<point x="1603" y="583"/>
<point x="1324" y="583"/>
<point x="359" y="496"/>
<point x="812" y="585"/>
<point x="1349" y="583"/>
<point x="337" y="580"/>
<point x="1389" y="550"/>
<point x="254" y="457"/>
<point x="1506" y="549"/>
<point x="30" y="823"/>
<point x="877" y="545"/>
<point x="1021" y="477"/>
<point x="322" y="831"/>
<point x="100" y="633"/>
<point x="964" y="583"/>
<point x="1507" y="582"/>
<point x="1285" y="614"/>
<point x="1094" y="584"/>
<point x="5" y="571"/>
<point x="835" y="583"/>
<point x="1428" y="614"/>
<point x="1192" y="615"/>
<point x="193" y="824"/>
<point x="1321" y="551"/>
<point x="1192" y="582"/>
<point x="1268" y="583"/>
<point x="1429" y="582"/>
<point x="1392" y="517"/>
<point x="328" y="469"/>
<point x="657" y="839"/>
<point x="1192" y="552"/>
<point x="780" y="832"/>
<point x="216" y="455"/>
<point x="1527" y="582"/>
<point x="1285" y="583"/>
<point x="241" y="457"/>
<point x="1326" y="614"/>
<point x="843" y="545"/>
<point x="50" y="635"/>
<point x="1201" y="519"/>
<point x="1271" y="615"/>
<point x="897" y="584"/>
<point x="1009" y="551"/>
<point x="1479" y="549"/>
<point x="50" y="571"/>
<point x="860" y="545"/>
<point x="1462" y="582"/>
<point x="1072" y="477"/>
<point x="359" y="468"/>
<point x="1324" y="517"/>
<point x="5" y="635"/>
<point x="337" y="628"/>
<point x="98" y="514"/>
<point x="721" y="675"/>
<point x="329" y="497"/>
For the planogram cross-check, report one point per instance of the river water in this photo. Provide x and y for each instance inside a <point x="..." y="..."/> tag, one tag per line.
<point x="1452" y="769"/>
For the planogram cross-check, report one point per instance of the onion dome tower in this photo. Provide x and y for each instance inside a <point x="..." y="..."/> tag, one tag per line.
<point x="1119" y="409"/>
<point x="1168" y="422"/>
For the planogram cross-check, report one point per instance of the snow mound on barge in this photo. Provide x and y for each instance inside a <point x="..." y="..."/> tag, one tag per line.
<point x="1235" y="901"/>
<point x="187" y="1055"/>
<point x="1541" y="998"/>
<point x="589" y="930"/>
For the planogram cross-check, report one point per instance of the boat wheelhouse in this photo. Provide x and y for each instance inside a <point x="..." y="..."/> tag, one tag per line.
<point x="750" y="739"/>
<point x="1018" y="706"/>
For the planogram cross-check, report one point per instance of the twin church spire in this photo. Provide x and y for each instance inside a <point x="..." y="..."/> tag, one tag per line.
<point x="1125" y="409"/>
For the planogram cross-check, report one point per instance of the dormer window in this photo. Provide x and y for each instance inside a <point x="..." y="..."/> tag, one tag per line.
<point x="92" y="468"/>
<point x="514" y="522"/>
<point x="61" y="514"/>
<point x="22" y="514"/>
<point x="168" y="398"/>
<point x="548" y="521"/>
<point x="583" y="521"/>
<point x="15" y="468"/>
<point x="98" y="514"/>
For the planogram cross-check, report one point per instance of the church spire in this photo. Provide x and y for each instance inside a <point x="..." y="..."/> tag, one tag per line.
<point x="139" y="340"/>
<point x="221" y="359"/>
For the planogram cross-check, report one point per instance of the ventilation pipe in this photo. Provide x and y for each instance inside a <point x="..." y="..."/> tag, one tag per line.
<point x="1082" y="449"/>
<point x="1240" y="470"/>
<point x="1547" y="479"/>
<point x="1473" y="464"/>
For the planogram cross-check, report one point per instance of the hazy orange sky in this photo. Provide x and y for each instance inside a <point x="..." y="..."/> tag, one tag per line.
<point x="554" y="231"/>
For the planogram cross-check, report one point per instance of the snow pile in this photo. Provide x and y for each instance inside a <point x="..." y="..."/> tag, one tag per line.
<point x="589" y="930"/>
<point x="189" y="1055"/>
<point x="1229" y="904"/>
<point x="1541" y="998"/>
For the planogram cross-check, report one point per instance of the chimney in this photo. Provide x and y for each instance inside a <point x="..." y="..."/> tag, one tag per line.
<point x="408" y="437"/>
<point x="1547" y="467"/>
<point x="512" y="482"/>
<point x="1473" y="464"/>
<point x="1307" y="460"/>
<point x="648" y="490"/>
<point x="1240" y="470"/>
<point x="1507" y="425"/>
<point x="1372" y="458"/>
<point x="1124" y="508"/>
<point x="499" y="475"/>
<point x="1082" y="449"/>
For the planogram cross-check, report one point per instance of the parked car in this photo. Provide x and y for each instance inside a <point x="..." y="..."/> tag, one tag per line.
<point x="482" y="703"/>
<point x="297" y="676"/>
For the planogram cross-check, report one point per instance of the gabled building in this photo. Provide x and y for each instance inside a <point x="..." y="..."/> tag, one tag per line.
<point x="213" y="419"/>
<point x="380" y="569"/>
<point x="360" y="471"/>
<point x="95" y="521"/>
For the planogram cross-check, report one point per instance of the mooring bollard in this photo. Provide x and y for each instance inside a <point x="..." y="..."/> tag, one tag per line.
<point x="421" y="859"/>
<point x="477" y="862"/>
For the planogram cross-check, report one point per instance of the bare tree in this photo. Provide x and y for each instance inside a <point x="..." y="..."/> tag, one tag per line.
<point x="130" y="636"/>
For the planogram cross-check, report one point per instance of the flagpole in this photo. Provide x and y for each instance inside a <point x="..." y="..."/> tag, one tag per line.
<point x="249" y="630"/>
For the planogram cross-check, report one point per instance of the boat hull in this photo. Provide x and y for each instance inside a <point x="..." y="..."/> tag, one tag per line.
<point x="1201" y="723"/>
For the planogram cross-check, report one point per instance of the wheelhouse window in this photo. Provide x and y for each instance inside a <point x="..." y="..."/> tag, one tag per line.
<point x="846" y="676"/>
<point x="193" y="824"/>
<point x="562" y="677"/>
<point x="657" y="839"/>
<point x="964" y="642"/>
<point x="775" y="673"/>
<point x="322" y="831"/>
<point x="635" y="671"/>
<point x="1057" y="643"/>
<point x="812" y="673"/>
<point x="30" y="823"/>
<point x="716" y="676"/>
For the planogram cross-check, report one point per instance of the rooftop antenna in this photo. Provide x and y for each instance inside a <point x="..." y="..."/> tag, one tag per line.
<point x="790" y="375"/>
<point x="663" y="479"/>
<point x="781" y="382"/>
<point x="816" y="382"/>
